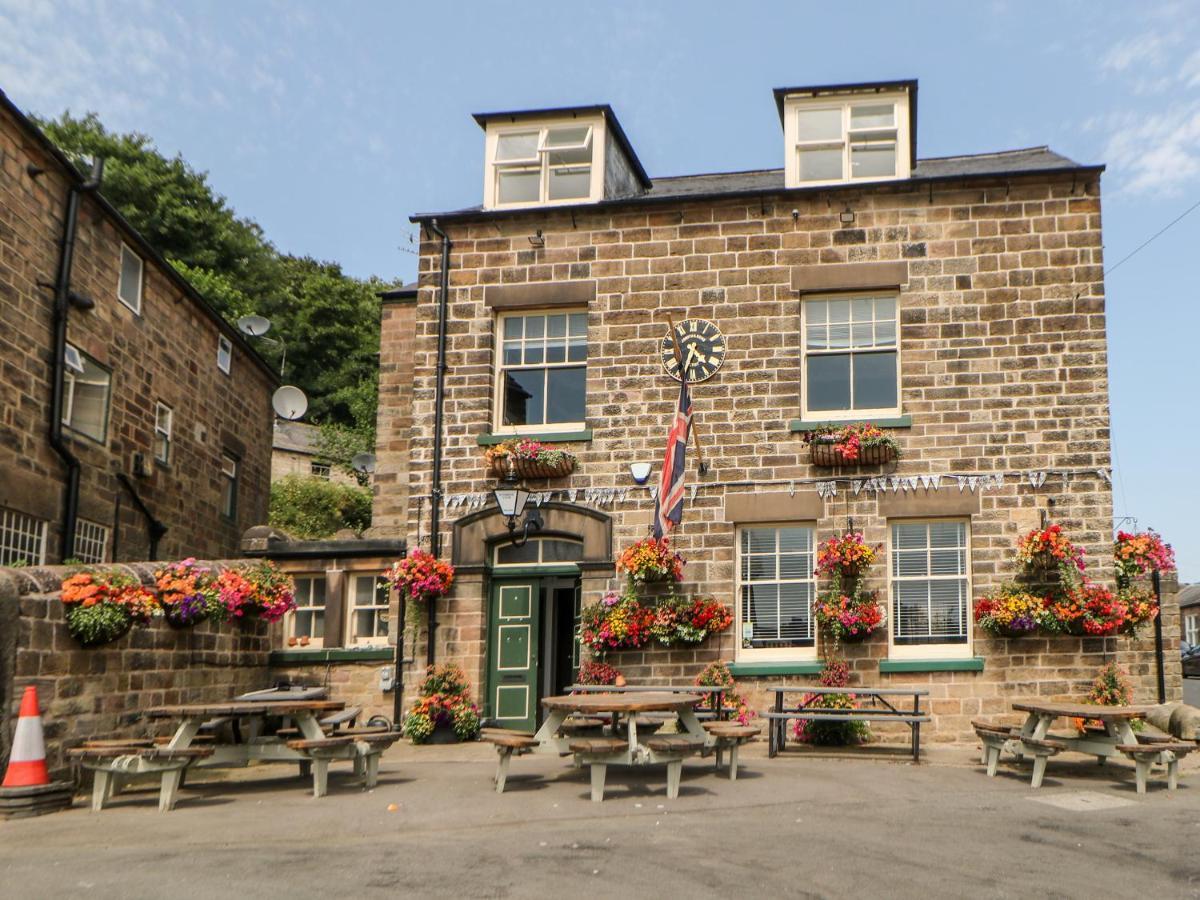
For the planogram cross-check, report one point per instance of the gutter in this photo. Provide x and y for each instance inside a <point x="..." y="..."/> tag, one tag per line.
<point x="439" y="402"/>
<point x="63" y="298"/>
<point x="154" y="528"/>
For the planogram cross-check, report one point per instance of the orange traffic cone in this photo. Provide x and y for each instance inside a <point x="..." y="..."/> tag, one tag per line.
<point x="27" y="762"/>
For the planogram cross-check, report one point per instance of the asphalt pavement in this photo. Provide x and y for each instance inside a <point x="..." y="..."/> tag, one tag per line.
<point x="862" y="823"/>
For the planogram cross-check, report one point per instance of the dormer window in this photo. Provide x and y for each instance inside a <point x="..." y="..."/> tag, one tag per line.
<point x="845" y="135"/>
<point x="543" y="165"/>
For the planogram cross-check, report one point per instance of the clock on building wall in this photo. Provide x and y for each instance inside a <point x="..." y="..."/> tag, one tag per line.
<point x="701" y="345"/>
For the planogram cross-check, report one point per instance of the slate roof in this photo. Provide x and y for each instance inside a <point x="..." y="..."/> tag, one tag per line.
<point x="1025" y="161"/>
<point x="1189" y="595"/>
<point x="296" y="437"/>
<point x="404" y="292"/>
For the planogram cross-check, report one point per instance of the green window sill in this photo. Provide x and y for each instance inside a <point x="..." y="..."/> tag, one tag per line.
<point x="970" y="664"/>
<point x="801" y="426"/>
<point x="488" y="439"/>
<point x="797" y="667"/>
<point x="293" y="657"/>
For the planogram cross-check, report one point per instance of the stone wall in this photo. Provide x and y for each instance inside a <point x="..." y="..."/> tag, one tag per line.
<point x="1003" y="371"/>
<point x="167" y="354"/>
<point x="356" y="683"/>
<point x="101" y="692"/>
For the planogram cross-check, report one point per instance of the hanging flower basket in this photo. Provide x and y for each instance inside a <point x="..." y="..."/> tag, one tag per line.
<point x="851" y="445"/>
<point x="528" y="459"/>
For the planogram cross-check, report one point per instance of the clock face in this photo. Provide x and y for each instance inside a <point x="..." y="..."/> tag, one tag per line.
<point x="701" y="345"/>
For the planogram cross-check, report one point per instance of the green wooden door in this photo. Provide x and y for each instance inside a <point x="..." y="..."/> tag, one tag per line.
<point x="512" y="679"/>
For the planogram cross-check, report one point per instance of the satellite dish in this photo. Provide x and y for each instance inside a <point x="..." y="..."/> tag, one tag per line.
<point x="289" y="402"/>
<point x="255" y="326"/>
<point x="363" y="462"/>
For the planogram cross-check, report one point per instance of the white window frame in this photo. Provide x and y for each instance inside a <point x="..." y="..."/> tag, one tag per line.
<point x="492" y="167"/>
<point x="136" y="306"/>
<point x="230" y="466"/>
<point x="162" y="433"/>
<point x="847" y="415"/>
<point x="74" y="360"/>
<point x="1191" y="627"/>
<point x="323" y="471"/>
<point x="498" y="426"/>
<point x="376" y="640"/>
<point x="224" y="354"/>
<point x="22" y="538"/>
<point x="91" y="541"/>
<point x="845" y="102"/>
<point x="541" y="560"/>
<point x="309" y="608"/>
<point x="773" y="654"/>
<point x="964" y="650"/>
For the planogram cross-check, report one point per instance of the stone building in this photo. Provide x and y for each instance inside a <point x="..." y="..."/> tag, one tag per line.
<point x="295" y="450"/>
<point x="165" y="412"/>
<point x="957" y="302"/>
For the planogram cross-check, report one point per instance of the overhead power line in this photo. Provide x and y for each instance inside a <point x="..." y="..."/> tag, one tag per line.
<point x="1138" y="249"/>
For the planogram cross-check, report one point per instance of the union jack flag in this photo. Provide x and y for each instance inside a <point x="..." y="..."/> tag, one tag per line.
<point x="668" y="506"/>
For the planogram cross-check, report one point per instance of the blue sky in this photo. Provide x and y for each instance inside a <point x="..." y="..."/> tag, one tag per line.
<point x="330" y="123"/>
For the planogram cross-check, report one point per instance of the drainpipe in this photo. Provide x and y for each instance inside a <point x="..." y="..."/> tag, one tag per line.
<point x="435" y="536"/>
<point x="154" y="528"/>
<point x="63" y="299"/>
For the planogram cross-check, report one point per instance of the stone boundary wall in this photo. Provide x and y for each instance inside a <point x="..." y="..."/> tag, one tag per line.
<point x="102" y="692"/>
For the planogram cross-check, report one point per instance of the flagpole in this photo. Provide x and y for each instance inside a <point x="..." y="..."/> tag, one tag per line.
<point x="701" y="464"/>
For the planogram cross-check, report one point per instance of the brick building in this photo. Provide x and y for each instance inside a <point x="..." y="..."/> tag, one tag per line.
<point x="164" y="407"/>
<point x="295" y="450"/>
<point x="957" y="302"/>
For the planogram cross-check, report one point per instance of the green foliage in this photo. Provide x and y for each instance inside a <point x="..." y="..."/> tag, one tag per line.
<point x="328" y="321"/>
<point x="102" y="623"/>
<point x="311" y="508"/>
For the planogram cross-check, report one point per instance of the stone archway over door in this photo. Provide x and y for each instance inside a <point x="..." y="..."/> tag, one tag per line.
<point x="475" y="535"/>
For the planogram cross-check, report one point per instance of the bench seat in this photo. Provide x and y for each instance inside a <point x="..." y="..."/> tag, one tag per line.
<point x="777" y="720"/>
<point x="507" y="743"/>
<point x="675" y="743"/>
<point x="1145" y="755"/>
<point x="113" y="762"/>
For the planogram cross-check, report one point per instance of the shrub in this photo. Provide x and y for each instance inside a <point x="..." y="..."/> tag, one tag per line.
<point x="311" y="508"/>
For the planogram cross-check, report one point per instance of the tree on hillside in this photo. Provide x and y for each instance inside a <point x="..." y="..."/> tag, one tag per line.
<point x="328" y="321"/>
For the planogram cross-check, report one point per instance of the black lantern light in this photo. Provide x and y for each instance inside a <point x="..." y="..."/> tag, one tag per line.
<point x="513" y="500"/>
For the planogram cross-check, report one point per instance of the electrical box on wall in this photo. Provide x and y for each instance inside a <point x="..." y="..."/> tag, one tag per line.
<point x="387" y="678"/>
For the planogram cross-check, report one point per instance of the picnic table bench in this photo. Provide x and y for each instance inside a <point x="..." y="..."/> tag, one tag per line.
<point x="112" y="762"/>
<point x="882" y="710"/>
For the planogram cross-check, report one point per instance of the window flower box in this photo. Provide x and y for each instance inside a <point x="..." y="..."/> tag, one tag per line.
<point x="528" y="459"/>
<point x="851" y="445"/>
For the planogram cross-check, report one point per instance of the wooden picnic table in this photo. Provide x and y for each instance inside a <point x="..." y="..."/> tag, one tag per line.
<point x="631" y="751"/>
<point x="716" y="692"/>
<point x="882" y="710"/>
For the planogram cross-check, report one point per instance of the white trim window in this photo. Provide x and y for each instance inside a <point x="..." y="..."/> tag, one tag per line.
<point x="538" y="552"/>
<point x="86" y="392"/>
<point x="307" y="620"/>
<point x="91" y="541"/>
<point x="838" y="139"/>
<point x="541" y="379"/>
<point x="164" y="421"/>
<point x="224" y="353"/>
<point x="851" y="354"/>
<point x="1191" y="628"/>
<point x="22" y="539"/>
<point x="776" y="588"/>
<point x="229" y="485"/>
<point x="323" y="471"/>
<point x="543" y="164"/>
<point x="129" y="282"/>
<point x="367" y="614"/>
<point x="930" y="589"/>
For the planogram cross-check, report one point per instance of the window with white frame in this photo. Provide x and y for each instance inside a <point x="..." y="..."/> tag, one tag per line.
<point x="542" y="377"/>
<point x="307" y="620"/>
<point x="86" y="389"/>
<point x="776" y="587"/>
<point x="22" y="539"/>
<point x="320" y="470"/>
<point x="1191" y="628"/>
<point x="548" y="164"/>
<point x="229" y="485"/>
<point x="851" y="356"/>
<point x="129" y="283"/>
<point x="930" y="588"/>
<point x="164" y="420"/>
<point x="224" y="353"/>
<point x="538" y="552"/>
<point x="91" y="541"/>
<point x="837" y="139"/>
<point x="367" y="613"/>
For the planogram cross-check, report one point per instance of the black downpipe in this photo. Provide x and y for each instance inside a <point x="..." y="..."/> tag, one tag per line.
<point x="154" y="528"/>
<point x="62" y="307"/>
<point x="1160" y="664"/>
<point x="435" y="523"/>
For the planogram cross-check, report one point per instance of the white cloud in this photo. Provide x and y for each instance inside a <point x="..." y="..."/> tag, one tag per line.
<point x="1155" y="152"/>
<point x="1144" y="50"/>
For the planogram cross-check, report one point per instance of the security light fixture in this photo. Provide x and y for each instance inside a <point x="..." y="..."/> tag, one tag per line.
<point x="537" y="240"/>
<point x="846" y="216"/>
<point x="514" y="500"/>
